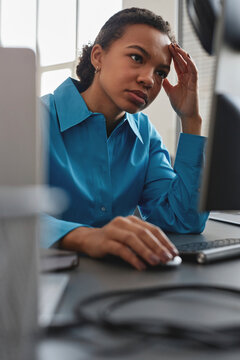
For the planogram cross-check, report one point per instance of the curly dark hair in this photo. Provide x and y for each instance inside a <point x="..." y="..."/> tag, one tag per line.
<point x="114" y="29"/>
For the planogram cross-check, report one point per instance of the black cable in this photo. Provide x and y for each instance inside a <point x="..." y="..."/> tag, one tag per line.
<point x="149" y="329"/>
<point x="204" y="335"/>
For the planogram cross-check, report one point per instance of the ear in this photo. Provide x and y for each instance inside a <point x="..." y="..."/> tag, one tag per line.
<point x="96" y="56"/>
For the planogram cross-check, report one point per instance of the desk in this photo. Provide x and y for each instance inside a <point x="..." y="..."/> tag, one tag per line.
<point x="93" y="276"/>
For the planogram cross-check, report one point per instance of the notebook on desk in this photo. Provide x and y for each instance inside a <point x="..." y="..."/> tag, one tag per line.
<point x="52" y="284"/>
<point x="51" y="290"/>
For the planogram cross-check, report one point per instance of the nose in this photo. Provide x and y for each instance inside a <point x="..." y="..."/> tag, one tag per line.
<point x="146" y="78"/>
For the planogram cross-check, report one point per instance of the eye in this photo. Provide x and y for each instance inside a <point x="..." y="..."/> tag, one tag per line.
<point x="137" y="58"/>
<point x="162" y="74"/>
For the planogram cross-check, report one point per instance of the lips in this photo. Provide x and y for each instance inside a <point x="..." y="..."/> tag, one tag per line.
<point x="139" y="96"/>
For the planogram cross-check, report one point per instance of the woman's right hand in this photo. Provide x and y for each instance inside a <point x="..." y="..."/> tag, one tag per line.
<point x="129" y="237"/>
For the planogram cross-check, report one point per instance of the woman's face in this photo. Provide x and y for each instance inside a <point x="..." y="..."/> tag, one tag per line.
<point x="133" y="68"/>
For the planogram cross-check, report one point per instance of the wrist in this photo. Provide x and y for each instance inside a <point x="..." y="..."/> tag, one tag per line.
<point x="192" y="125"/>
<point x="75" y="239"/>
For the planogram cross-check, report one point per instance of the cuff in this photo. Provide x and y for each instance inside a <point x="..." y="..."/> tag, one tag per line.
<point x="52" y="230"/>
<point x="190" y="149"/>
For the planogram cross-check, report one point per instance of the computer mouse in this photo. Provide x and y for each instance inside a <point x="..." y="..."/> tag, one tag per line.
<point x="176" y="261"/>
<point x="171" y="264"/>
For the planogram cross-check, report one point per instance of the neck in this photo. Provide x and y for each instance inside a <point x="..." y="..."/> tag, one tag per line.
<point x="98" y="101"/>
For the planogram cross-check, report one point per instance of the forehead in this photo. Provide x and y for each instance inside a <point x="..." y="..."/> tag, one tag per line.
<point x="147" y="37"/>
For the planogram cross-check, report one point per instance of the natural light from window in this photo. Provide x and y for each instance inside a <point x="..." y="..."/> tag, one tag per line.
<point x="18" y="23"/>
<point x="63" y="27"/>
<point x="51" y="79"/>
<point x="56" y="31"/>
<point x="92" y="15"/>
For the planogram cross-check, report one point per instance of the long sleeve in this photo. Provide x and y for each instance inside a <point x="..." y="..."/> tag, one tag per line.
<point x="170" y="196"/>
<point x="53" y="229"/>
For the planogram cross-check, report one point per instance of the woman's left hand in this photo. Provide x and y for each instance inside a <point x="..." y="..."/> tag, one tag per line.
<point x="184" y="95"/>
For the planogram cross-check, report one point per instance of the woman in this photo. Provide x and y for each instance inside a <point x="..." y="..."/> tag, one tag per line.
<point x="108" y="156"/>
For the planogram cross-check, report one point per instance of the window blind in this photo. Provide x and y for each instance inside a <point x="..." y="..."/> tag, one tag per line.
<point x="204" y="62"/>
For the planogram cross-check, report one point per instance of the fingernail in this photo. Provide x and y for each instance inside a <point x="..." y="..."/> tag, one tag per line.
<point x="142" y="266"/>
<point x="189" y="56"/>
<point x="168" y="256"/>
<point x="154" y="259"/>
<point x="176" y="252"/>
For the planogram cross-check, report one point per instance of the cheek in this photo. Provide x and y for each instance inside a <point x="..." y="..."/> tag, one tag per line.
<point x="116" y="80"/>
<point x="114" y="72"/>
<point x="155" y="91"/>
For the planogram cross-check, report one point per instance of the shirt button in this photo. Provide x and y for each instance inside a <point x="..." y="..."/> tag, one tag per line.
<point x="103" y="208"/>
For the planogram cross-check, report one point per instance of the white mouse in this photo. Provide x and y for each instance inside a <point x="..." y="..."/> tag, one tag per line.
<point x="177" y="260"/>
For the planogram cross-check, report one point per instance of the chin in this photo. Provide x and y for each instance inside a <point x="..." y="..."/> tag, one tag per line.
<point x="133" y="109"/>
<point x="133" y="112"/>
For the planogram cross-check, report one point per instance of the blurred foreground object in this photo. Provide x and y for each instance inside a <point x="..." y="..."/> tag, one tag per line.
<point x="22" y="199"/>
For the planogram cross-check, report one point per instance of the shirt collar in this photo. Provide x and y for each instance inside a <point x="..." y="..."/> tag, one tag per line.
<point x="133" y="123"/>
<point x="72" y="109"/>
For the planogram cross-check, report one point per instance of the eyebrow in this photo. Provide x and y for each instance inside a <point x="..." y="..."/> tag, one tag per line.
<point x="143" y="51"/>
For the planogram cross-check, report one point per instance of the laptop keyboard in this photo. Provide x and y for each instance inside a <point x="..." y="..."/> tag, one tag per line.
<point x="192" y="247"/>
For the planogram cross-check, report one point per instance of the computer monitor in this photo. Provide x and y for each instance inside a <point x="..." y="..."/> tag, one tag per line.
<point x="21" y="200"/>
<point x="18" y="176"/>
<point x="218" y="28"/>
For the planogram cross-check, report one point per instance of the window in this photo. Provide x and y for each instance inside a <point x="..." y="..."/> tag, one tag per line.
<point x="99" y="12"/>
<point x="55" y="30"/>
<point x="18" y="23"/>
<point x="63" y="27"/>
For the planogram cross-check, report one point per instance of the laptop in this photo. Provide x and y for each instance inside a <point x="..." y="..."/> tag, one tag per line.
<point x="220" y="241"/>
<point x="204" y="252"/>
<point x="231" y="217"/>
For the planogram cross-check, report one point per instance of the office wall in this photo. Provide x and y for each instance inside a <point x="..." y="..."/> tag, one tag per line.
<point x="160" y="112"/>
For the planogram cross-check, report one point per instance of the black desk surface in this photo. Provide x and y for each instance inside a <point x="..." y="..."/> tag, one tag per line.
<point x="94" y="276"/>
